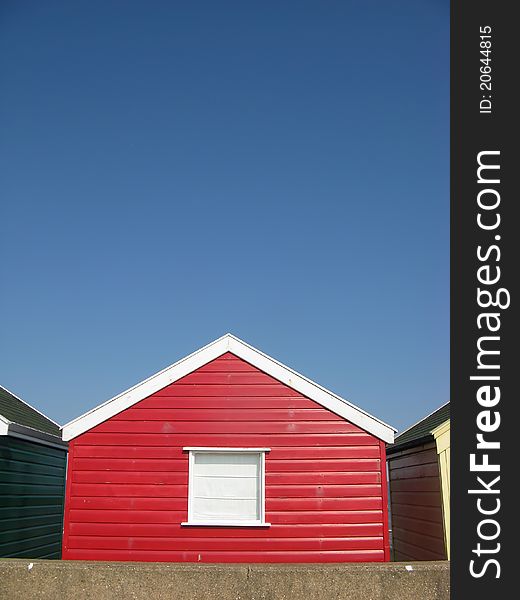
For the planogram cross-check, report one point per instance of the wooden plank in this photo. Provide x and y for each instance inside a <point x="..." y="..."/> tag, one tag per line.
<point x="232" y="391"/>
<point x="426" y="543"/>
<point x="24" y="478"/>
<point x="168" y="478"/>
<point x="46" y="550"/>
<point x="228" y="557"/>
<point x="323" y="478"/>
<point x="306" y="465"/>
<point x="226" y="440"/>
<point x="325" y="491"/>
<point x="131" y="477"/>
<point x="203" y="378"/>
<point x="275" y="531"/>
<point x="17" y="489"/>
<point x="43" y="454"/>
<point x="424" y="484"/>
<point x="176" y="515"/>
<point x="415" y="472"/>
<point x="129" y="516"/>
<point x="401" y="557"/>
<point x="368" y="508"/>
<point x="131" y="464"/>
<point x="325" y="516"/>
<point x="21" y="522"/>
<point x="115" y="489"/>
<point x="272" y="466"/>
<point x="416" y="498"/>
<point x="322" y="504"/>
<point x="418" y="458"/>
<point x="15" y="452"/>
<point x="326" y="452"/>
<point x="226" y="402"/>
<point x="21" y="534"/>
<point x="294" y="453"/>
<point x="430" y="528"/>
<point x="30" y="500"/>
<point x="36" y="467"/>
<point x="253" y="415"/>
<point x="181" y="491"/>
<point x="229" y="366"/>
<point x="253" y="543"/>
<point x="21" y="512"/>
<point x="30" y="544"/>
<point x="423" y="513"/>
<point x="415" y="552"/>
<point x="125" y="503"/>
<point x="202" y="427"/>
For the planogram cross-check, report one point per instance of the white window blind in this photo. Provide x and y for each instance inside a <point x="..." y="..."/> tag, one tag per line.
<point x="226" y="487"/>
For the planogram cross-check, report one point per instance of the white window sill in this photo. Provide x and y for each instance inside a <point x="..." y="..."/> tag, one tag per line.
<point x="225" y="524"/>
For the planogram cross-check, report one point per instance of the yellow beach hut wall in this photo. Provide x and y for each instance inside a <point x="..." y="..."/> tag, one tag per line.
<point x="441" y="435"/>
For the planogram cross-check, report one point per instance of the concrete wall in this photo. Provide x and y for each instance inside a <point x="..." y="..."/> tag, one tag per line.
<point x="48" y="580"/>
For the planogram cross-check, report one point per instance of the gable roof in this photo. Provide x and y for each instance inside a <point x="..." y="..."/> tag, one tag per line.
<point x="421" y="431"/>
<point x="15" y="410"/>
<point x="19" y="419"/>
<point x="229" y="343"/>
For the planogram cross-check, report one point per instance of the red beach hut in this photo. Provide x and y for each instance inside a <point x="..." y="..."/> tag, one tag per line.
<point x="227" y="456"/>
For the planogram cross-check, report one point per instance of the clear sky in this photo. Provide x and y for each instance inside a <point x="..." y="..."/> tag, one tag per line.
<point x="171" y="171"/>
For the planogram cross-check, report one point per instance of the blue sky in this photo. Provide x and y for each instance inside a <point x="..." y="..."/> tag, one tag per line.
<point x="171" y="171"/>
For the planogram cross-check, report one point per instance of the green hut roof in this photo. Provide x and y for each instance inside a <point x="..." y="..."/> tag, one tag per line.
<point x="17" y="411"/>
<point x="422" y="430"/>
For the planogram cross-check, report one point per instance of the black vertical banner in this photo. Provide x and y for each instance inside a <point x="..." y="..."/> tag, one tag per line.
<point x="485" y="433"/>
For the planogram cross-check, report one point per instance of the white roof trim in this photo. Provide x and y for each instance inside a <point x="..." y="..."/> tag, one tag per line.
<point x="229" y="343"/>
<point x="218" y="449"/>
<point x="440" y="429"/>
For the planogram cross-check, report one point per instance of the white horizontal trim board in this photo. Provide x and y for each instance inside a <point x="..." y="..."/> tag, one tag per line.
<point x="225" y="524"/>
<point x="229" y="343"/>
<point x="31" y="435"/>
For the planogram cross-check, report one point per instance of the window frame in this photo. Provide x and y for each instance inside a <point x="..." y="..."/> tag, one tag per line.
<point x="193" y="450"/>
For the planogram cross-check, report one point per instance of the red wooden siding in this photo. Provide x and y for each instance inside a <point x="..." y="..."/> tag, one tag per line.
<point x="417" y="523"/>
<point x="127" y="483"/>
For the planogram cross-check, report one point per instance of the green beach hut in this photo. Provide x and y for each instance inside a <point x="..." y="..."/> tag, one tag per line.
<point x="32" y="481"/>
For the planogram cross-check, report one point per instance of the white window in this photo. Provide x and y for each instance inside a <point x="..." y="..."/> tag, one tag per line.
<point x="226" y="486"/>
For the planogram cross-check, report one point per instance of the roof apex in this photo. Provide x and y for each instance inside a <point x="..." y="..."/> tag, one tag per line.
<point x="228" y="343"/>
